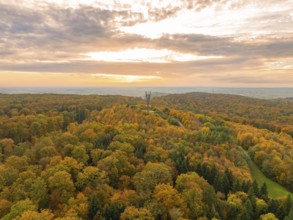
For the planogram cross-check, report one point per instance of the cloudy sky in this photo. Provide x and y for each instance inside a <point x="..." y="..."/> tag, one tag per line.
<point x="223" y="43"/>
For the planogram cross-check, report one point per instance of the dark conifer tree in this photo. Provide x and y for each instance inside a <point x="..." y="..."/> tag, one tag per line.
<point x="198" y="169"/>
<point x="208" y="175"/>
<point x="213" y="173"/>
<point x="264" y="192"/>
<point x="204" y="168"/>
<point x="230" y="177"/>
<point x="281" y="213"/>
<point x="244" y="216"/>
<point x="273" y="206"/>
<point x="225" y="184"/>
<point x="93" y="207"/>
<point x="236" y="186"/>
<point x="181" y="160"/>
<point x="255" y="189"/>
<point x="248" y="206"/>
<point x="247" y="211"/>
<point x="112" y="212"/>
<point x="246" y="186"/>
<point x="218" y="184"/>
<point x="252" y="199"/>
<point x="288" y="205"/>
<point x="232" y="212"/>
<point x="289" y="216"/>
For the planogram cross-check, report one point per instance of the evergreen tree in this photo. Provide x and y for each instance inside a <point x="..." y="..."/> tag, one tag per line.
<point x="230" y="177"/>
<point x="140" y="147"/>
<point x="252" y="199"/>
<point x="232" y="212"/>
<point x="264" y="192"/>
<point x="288" y="205"/>
<point x="248" y="207"/>
<point x="218" y="184"/>
<point x="236" y="186"/>
<point x="215" y="214"/>
<point x="198" y="169"/>
<point x="204" y="170"/>
<point x="255" y="189"/>
<point x="290" y="216"/>
<point x="208" y="175"/>
<point x="181" y="160"/>
<point x="225" y="184"/>
<point x="273" y="206"/>
<point x="112" y="212"/>
<point x="246" y="186"/>
<point x="251" y="195"/>
<point x="247" y="211"/>
<point x="213" y="173"/>
<point x="281" y="213"/>
<point x="93" y="207"/>
<point x="243" y="216"/>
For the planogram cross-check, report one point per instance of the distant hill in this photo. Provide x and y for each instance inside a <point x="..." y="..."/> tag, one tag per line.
<point x="264" y="93"/>
<point x="275" y="115"/>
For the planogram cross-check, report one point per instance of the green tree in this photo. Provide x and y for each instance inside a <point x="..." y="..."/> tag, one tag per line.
<point x="7" y="176"/>
<point x="247" y="211"/>
<point x="117" y="145"/>
<point x="218" y="183"/>
<point x="94" y="206"/>
<point x="79" y="153"/>
<point x="152" y="174"/>
<point x="273" y="206"/>
<point x="39" y="192"/>
<point x="19" y="163"/>
<point x="232" y="212"/>
<point x="112" y="212"/>
<point x="116" y="165"/>
<point x="226" y="186"/>
<point x="193" y="189"/>
<point x="236" y="186"/>
<point x="281" y="213"/>
<point x="140" y="146"/>
<point x="91" y="176"/>
<point x="255" y="189"/>
<point x="244" y="215"/>
<point x="20" y="207"/>
<point x="180" y="159"/>
<point x="264" y="192"/>
<point x="62" y="184"/>
<point x="290" y="216"/>
<point x="288" y="205"/>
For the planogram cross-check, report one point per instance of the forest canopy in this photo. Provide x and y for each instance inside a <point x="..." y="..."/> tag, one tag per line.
<point x="106" y="157"/>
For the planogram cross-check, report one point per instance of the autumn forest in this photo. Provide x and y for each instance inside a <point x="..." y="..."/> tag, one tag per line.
<point x="191" y="156"/>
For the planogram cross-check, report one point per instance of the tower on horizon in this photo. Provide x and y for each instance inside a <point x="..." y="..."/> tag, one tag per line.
<point x="148" y="100"/>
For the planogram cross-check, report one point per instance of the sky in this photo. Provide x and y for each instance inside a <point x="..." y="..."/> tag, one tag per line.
<point x="213" y="43"/>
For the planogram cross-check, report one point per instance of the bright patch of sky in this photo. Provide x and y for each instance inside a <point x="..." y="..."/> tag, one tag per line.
<point x="145" y="55"/>
<point x="249" y="20"/>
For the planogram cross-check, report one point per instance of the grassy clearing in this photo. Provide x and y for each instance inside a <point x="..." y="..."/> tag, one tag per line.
<point x="275" y="190"/>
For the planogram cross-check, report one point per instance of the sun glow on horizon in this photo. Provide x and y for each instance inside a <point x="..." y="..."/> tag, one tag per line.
<point x="126" y="78"/>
